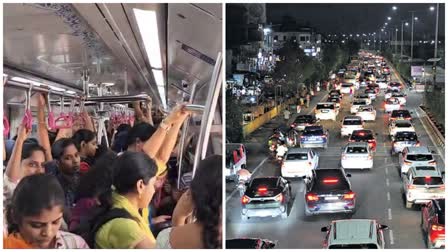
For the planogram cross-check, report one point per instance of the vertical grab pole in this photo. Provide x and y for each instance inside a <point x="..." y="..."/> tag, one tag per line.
<point x="207" y="117"/>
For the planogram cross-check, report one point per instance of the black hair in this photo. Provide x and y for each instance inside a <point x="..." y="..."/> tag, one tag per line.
<point x="121" y="138"/>
<point x="57" y="149"/>
<point x="141" y="131"/>
<point x="29" y="149"/>
<point x="32" y="195"/>
<point x="52" y="136"/>
<point x="83" y="135"/>
<point x="206" y="192"/>
<point x="123" y="127"/>
<point x="98" y="180"/>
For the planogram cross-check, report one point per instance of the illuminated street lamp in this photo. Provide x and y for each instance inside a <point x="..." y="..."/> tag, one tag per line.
<point x="394" y="8"/>
<point x="389" y="18"/>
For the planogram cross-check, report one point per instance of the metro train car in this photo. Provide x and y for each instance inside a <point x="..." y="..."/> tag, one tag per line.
<point x="129" y="93"/>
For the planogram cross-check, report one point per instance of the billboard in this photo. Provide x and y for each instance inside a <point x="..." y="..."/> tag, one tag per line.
<point x="416" y="71"/>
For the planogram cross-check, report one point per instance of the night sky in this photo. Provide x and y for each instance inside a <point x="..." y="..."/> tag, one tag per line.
<point x="357" y="18"/>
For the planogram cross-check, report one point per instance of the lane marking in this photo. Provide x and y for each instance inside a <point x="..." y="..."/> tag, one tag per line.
<point x="255" y="170"/>
<point x="386" y="170"/>
<point x="391" y="237"/>
<point x="389" y="213"/>
<point x="387" y="181"/>
<point x="388" y="196"/>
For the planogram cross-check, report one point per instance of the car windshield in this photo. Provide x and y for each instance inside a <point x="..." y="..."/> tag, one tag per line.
<point x="406" y="136"/>
<point x="297" y="156"/>
<point x="325" y="106"/>
<point x="352" y="122"/>
<point x="428" y="181"/>
<point x="354" y="246"/>
<point x="403" y="124"/>
<point x="313" y="132"/>
<point x="346" y="85"/>
<point x="356" y="150"/>
<point x="419" y="157"/>
<point x="363" y="102"/>
<point x="370" y="91"/>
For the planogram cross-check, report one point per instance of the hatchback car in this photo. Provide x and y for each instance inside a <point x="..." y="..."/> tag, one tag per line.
<point x="356" y="104"/>
<point x="266" y="196"/>
<point x="351" y="123"/>
<point x="371" y="93"/>
<point x="433" y="223"/>
<point x="314" y="137"/>
<point x="364" y="135"/>
<point x="329" y="191"/>
<point x="400" y="125"/>
<point x="364" y="97"/>
<point x="403" y="139"/>
<point x="402" y="114"/>
<point x="416" y="156"/>
<point x="357" y="156"/>
<point x="303" y="121"/>
<point x="354" y="234"/>
<point x="422" y="185"/>
<point x="391" y="104"/>
<point x="367" y="113"/>
<point x="326" y="111"/>
<point x="299" y="162"/>
<point x="400" y="96"/>
<point x="346" y="87"/>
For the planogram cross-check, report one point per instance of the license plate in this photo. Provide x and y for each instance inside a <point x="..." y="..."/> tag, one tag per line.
<point x="325" y="111"/>
<point x="331" y="198"/>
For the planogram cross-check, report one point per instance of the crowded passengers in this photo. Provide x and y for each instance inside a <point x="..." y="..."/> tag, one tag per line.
<point x="66" y="189"/>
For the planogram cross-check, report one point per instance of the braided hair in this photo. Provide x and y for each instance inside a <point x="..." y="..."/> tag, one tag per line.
<point x="206" y="191"/>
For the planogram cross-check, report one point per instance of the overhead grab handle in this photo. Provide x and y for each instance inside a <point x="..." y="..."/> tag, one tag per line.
<point x="27" y="120"/>
<point x="51" y="120"/>
<point x="64" y="121"/>
<point x="5" y="126"/>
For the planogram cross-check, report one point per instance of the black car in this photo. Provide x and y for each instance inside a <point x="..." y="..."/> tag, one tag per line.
<point x="433" y="223"/>
<point x="303" y="121"/>
<point x="403" y="139"/>
<point x="336" y="100"/>
<point x="335" y="93"/>
<point x="401" y="114"/>
<point x="329" y="191"/>
<point x="364" y="136"/>
<point x="266" y="196"/>
<point x="250" y="243"/>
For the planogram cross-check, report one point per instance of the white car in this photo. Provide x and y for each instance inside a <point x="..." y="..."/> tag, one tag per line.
<point x="400" y="125"/>
<point x="299" y="162"/>
<point x="351" y="123"/>
<point x="367" y="113"/>
<point x="395" y="86"/>
<point x="391" y="104"/>
<point x="389" y="93"/>
<point x="400" y="96"/>
<point x="421" y="186"/>
<point x="345" y="88"/>
<point x="326" y="111"/>
<point x="364" y="97"/>
<point x="357" y="155"/>
<point x="356" y="104"/>
<point x="382" y="83"/>
<point x="416" y="156"/>
<point x="371" y="93"/>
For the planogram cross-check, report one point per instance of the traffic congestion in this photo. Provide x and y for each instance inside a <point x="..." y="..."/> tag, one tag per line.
<point x="359" y="168"/>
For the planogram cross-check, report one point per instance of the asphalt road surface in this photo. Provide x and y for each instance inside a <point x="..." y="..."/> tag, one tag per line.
<point x="378" y="190"/>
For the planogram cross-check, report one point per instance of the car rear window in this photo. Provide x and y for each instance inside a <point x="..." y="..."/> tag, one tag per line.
<point x="325" y="106"/>
<point x="419" y="157"/>
<point x="297" y="156"/>
<point x="369" y="91"/>
<point x="356" y="149"/>
<point x="400" y="113"/>
<point x="427" y="181"/>
<point x="363" y="102"/>
<point x="403" y="124"/>
<point x="365" y="109"/>
<point x="269" y="186"/>
<point x="313" y="132"/>
<point x="303" y="120"/>
<point x="352" y="122"/>
<point x="362" y="135"/>
<point x="406" y="136"/>
<point x="347" y="85"/>
<point x="354" y="246"/>
<point x="425" y="168"/>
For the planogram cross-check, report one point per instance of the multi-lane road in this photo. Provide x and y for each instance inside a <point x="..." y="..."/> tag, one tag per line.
<point x="378" y="190"/>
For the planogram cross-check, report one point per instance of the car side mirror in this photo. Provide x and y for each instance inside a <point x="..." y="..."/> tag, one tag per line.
<point x="349" y="175"/>
<point x="324" y="229"/>
<point x="384" y="227"/>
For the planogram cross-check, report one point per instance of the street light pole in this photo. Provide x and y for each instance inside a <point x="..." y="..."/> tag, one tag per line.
<point x="396" y="38"/>
<point x="401" y="51"/>
<point x="434" y="72"/>
<point x="412" y="36"/>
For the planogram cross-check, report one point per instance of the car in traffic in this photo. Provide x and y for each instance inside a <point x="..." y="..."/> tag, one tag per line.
<point x="416" y="156"/>
<point x="336" y="100"/>
<point x="303" y="121"/>
<point x="351" y="123"/>
<point x="357" y="155"/>
<point x="386" y="70"/>
<point x="356" y="104"/>
<point x="403" y="139"/>
<point x="433" y="223"/>
<point x="367" y="113"/>
<point x="364" y="135"/>
<point x="391" y="104"/>
<point x="382" y="83"/>
<point x="364" y="97"/>
<point x="329" y="191"/>
<point x="401" y="114"/>
<point x="314" y="137"/>
<point x="422" y="185"/>
<point x="371" y="93"/>
<point x="266" y="197"/>
<point x="395" y="86"/>
<point x="299" y="162"/>
<point x="354" y="234"/>
<point x="388" y="93"/>
<point x="346" y="88"/>
<point x="326" y="111"/>
<point x="400" y="96"/>
<point x="375" y="87"/>
<point x="335" y="92"/>
<point x="400" y="125"/>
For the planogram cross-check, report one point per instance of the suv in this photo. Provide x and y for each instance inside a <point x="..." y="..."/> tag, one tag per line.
<point x="351" y="123"/>
<point x="266" y="196"/>
<point x="404" y="139"/>
<point x="302" y="121"/>
<point x="326" y="111"/>
<point x="357" y="156"/>
<point x="235" y="160"/>
<point x="402" y="114"/>
<point x="433" y="223"/>
<point x="364" y="136"/>
<point x="314" y="137"/>
<point x="329" y="191"/>
<point x="416" y="156"/>
<point x="421" y="186"/>
<point x="354" y="234"/>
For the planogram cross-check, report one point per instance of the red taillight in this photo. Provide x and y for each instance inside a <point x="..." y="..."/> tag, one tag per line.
<point x="350" y="195"/>
<point x="371" y="141"/>
<point x="262" y="189"/>
<point x="407" y="163"/>
<point x="245" y="200"/>
<point x="432" y="163"/>
<point x="417" y="144"/>
<point x="408" y="118"/>
<point x="435" y="227"/>
<point x="330" y="181"/>
<point x="436" y="232"/>
<point x="442" y="187"/>
<point x="279" y="197"/>
<point x="312" y="197"/>
<point x="411" y="186"/>
<point x="293" y="125"/>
